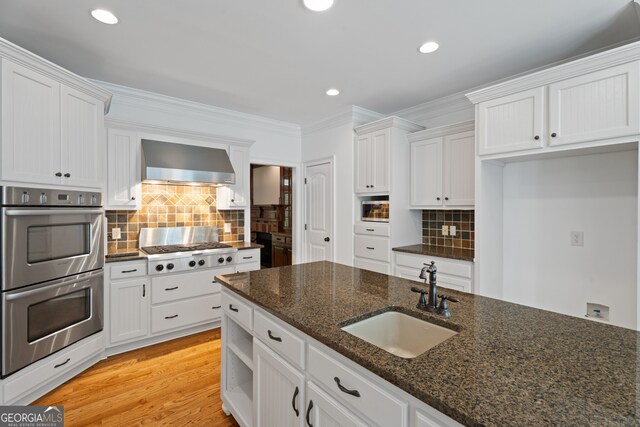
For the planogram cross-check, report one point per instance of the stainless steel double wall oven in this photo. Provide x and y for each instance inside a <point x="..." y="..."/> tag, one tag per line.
<point x="52" y="272"/>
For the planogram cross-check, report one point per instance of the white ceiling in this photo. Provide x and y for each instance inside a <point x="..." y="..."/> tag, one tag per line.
<point x="275" y="58"/>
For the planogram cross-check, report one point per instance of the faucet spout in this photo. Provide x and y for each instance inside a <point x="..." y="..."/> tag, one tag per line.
<point x="431" y="270"/>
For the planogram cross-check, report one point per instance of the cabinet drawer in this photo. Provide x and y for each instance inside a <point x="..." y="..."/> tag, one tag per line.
<point x="451" y="267"/>
<point x="242" y="268"/>
<point x="125" y="270"/>
<point x="280" y="339"/>
<point x="41" y="372"/>
<point x="377" y="266"/>
<point x="371" y="229"/>
<point x="374" y="402"/>
<point x="246" y="256"/>
<point x="184" y="313"/>
<point x="186" y="285"/>
<point x="279" y="239"/>
<point x="376" y="248"/>
<point x="237" y="310"/>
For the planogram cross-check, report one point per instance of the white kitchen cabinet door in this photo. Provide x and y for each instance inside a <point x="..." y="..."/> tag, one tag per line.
<point x="512" y="123"/>
<point x="323" y="411"/>
<point x="236" y="196"/>
<point x="595" y="106"/>
<point x="426" y="173"/>
<point x="380" y="161"/>
<point x="129" y="310"/>
<point x="278" y="389"/>
<point x="82" y="139"/>
<point x="30" y="126"/>
<point x="123" y="170"/>
<point x="459" y="165"/>
<point x="363" y="158"/>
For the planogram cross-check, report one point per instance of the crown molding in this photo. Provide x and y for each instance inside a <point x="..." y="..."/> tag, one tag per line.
<point x="442" y="131"/>
<point x="438" y="107"/>
<point x="561" y="71"/>
<point x="178" y="133"/>
<point x="388" y="122"/>
<point x="145" y="100"/>
<point x="350" y="115"/>
<point x="40" y="65"/>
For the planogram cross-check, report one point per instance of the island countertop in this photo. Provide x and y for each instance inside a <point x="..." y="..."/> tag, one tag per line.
<point x="508" y="364"/>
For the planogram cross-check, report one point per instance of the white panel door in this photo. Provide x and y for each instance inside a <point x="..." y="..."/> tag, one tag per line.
<point x="363" y="156"/>
<point x="596" y="106"/>
<point x="278" y="389"/>
<point x="459" y="166"/>
<point x="82" y="139"/>
<point x="319" y="212"/>
<point x="323" y="411"/>
<point x="426" y="173"/>
<point x="30" y="126"/>
<point x="123" y="169"/>
<point x="512" y="123"/>
<point x="380" y="162"/>
<point x="129" y="310"/>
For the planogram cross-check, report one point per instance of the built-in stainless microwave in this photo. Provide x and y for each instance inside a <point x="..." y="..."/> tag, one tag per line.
<point x="375" y="211"/>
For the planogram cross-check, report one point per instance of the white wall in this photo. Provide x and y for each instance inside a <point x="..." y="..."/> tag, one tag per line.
<point x="337" y="141"/>
<point x="544" y="201"/>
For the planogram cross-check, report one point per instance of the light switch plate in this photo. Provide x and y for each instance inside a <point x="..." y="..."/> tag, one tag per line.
<point x="116" y="233"/>
<point x="445" y="230"/>
<point x="452" y="230"/>
<point x="227" y="227"/>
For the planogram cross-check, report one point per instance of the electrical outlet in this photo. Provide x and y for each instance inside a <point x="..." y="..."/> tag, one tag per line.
<point x="452" y="230"/>
<point x="597" y="311"/>
<point x="227" y="227"/>
<point x="577" y="238"/>
<point x="445" y="230"/>
<point x="116" y="234"/>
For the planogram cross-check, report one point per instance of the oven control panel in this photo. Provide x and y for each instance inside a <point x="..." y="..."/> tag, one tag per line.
<point x="25" y="196"/>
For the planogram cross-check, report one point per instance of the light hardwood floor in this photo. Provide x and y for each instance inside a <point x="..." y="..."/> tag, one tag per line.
<point x="176" y="383"/>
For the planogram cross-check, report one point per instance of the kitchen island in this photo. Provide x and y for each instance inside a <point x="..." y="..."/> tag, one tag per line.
<point x="507" y="365"/>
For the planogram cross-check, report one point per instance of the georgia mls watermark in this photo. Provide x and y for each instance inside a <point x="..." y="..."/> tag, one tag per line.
<point x="31" y="416"/>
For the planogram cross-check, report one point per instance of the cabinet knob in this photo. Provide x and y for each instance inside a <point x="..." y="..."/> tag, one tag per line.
<point x="67" y="175"/>
<point x="437" y="198"/>
<point x="133" y="198"/>
<point x="58" y="173"/>
<point x="537" y="137"/>
<point x="446" y="198"/>
<point x="233" y="200"/>
<point x="553" y="135"/>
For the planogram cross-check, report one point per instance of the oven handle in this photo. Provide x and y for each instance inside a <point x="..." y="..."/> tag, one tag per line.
<point x="78" y="279"/>
<point x="41" y="212"/>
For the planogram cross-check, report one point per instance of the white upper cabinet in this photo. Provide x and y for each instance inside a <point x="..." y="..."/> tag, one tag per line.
<point x="372" y="162"/>
<point x="511" y="123"/>
<point x="600" y="105"/>
<point x="426" y="173"/>
<point x="442" y="167"/>
<point x="82" y="139"/>
<point x="236" y="196"/>
<point x="52" y="133"/>
<point x="123" y="170"/>
<point x="30" y="126"/>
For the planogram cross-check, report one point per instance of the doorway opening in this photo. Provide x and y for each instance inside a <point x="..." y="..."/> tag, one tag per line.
<point x="272" y="213"/>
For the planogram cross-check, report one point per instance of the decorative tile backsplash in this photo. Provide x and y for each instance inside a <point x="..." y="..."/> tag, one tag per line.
<point x="433" y="220"/>
<point x="172" y="206"/>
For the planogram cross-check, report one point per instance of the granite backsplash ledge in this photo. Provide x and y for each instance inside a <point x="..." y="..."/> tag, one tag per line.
<point x="463" y="220"/>
<point x="172" y="206"/>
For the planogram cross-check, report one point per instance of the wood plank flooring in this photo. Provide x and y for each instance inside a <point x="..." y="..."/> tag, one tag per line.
<point x="176" y="383"/>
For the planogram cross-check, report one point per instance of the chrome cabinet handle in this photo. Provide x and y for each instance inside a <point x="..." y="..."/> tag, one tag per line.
<point x="355" y="393"/>
<point x="62" y="364"/>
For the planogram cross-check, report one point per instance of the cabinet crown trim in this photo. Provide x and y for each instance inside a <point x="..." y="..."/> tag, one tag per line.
<point x="393" y="121"/>
<point x="573" y="67"/>
<point x="442" y="131"/>
<point x="40" y="65"/>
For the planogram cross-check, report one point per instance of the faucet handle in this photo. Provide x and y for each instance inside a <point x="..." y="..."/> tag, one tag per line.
<point x="448" y="298"/>
<point x="422" y="304"/>
<point x="418" y="290"/>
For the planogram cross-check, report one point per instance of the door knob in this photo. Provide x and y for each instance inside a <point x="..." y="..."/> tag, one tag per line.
<point x="326" y="239"/>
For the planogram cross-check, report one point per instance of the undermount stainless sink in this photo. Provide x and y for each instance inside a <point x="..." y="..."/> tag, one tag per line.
<point x="399" y="334"/>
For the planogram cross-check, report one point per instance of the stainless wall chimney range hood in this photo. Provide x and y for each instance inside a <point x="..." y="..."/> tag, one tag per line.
<point x="169" y="163"/>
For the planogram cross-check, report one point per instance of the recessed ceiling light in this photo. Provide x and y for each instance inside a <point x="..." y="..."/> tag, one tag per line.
<point x="428" y="47"/>
<point x="333" y="92"/>
<point x="318" y="5"/>
<point x="104" y="16"/>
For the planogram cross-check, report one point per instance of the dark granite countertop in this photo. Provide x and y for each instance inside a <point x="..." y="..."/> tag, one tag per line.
<point x="439" y="251"/>
<point x="129" y="256"/>
<point x="508" y="365"/>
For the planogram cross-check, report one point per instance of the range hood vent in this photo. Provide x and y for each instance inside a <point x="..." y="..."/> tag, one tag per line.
<point x="166" y="162"/>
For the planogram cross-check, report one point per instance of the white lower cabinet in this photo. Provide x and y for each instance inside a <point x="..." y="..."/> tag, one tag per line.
<point x="129" y="310"/>
<point x="324" y="411"/>
<point x="267" y="383"/>
<point x="278" y="389"/>
<point x="452" y="273"/>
